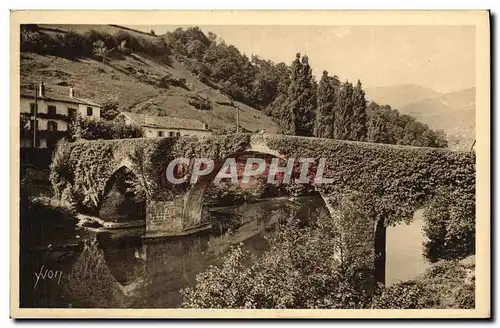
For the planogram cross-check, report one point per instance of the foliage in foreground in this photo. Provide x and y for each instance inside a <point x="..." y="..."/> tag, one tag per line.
<point x="303" y="268"/>
<point x="307" y="267"/>
<point x="450" y="226"/>
<point x="446" y="285"/>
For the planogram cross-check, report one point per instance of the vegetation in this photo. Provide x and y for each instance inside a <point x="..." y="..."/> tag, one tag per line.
<point x="327" y="264"/>
<point x="92" y="44"/>
<point x="313" y="266"/>
<point x="81" y="128"/>
<point x="445" y="285"/>
<point x="302" y="269"/>
<point x="90" y="282"/>
<point x="288" y="94"/>
<point x="292" y="97"/>
<point x="297" y="111"/>
<point x="386" y="125"/>
<point x="327" y="94"/>
<point x="450" y="226"/>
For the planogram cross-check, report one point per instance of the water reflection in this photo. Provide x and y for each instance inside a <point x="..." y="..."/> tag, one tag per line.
<point x="152" y="272"/>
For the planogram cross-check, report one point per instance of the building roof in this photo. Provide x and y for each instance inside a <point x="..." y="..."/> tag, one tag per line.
<point x="49" y="95"/>
<point x="165" y="122"/>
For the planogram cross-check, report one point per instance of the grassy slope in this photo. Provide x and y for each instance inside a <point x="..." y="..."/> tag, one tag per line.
<point x="125" y="81"/>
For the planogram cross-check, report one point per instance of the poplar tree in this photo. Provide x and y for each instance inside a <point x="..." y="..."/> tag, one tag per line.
<point x="286" y="112"/>
<point x="299" y="108"/>
<point x="343" y="112"/>
<point x="325" y="114"/>
<point x="359" y="117"/>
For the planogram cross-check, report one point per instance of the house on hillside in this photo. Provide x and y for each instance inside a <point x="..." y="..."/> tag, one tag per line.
<point x="165" y="126"/>
<point x="53" y="112"/>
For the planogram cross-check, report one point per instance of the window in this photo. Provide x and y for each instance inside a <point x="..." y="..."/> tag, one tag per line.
<point x="89" y="111"/>
<point x="52" y="125"/>
<point x="33" y="107"/>
<point x="32" y="124"/>
<point x="71" y="112"/>
<point x="51" y="111"/>
<point x="170" y="134"/>
<point x="178" y="134"/>
<point x="160" y="133"/>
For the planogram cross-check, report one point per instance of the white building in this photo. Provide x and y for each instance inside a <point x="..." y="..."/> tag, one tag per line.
<point x="165" y="126"/>
<point x="53" y="114"/>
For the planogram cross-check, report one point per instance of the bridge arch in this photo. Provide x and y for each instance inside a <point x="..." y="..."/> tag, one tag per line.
<point x="193" y="205"/>
<point x="123" y="199"/>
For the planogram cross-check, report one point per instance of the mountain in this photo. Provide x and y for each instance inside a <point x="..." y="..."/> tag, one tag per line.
<point x="454" y="112"/>
<point x="137" y="82"/>
<point x="399" y="96"/>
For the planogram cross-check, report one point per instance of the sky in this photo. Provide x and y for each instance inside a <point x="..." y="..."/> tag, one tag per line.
<point x="441" y="58"/>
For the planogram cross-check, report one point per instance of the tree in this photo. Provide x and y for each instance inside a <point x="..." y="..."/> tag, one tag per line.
<point x="99" y="50"/>
<point x="449" y="226"/>
<point x="298" y="109"/>
<point x="386" y="125"/>
<point x="344" y="112"/>
<point x="325" y="114"/>
<point x="123" y="47"/>
<point x="109" y="110"/>
<point x="358" y="119"/>
<point x="301" y="269"/>
<point x="81" y="128"/>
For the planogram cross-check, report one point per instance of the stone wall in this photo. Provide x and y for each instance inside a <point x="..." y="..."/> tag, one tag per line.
<point x="165" y="216"/>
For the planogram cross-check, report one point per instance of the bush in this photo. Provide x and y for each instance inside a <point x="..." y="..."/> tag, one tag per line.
<point x="44" y="221"/>
<point x="405" y="295"/>
<point x="445" y="285"/>
<point x="301" y="269"/>
<point x="449" y="227"/>
<point x="200" y="103"/>
<point x="93" y="43"/>
<point x="81" y="128"/>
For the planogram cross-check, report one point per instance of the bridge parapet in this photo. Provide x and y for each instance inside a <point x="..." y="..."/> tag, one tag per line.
<point x="393" y="181"/>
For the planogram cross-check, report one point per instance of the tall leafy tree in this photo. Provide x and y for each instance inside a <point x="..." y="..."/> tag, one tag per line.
<point x="359" y="117"/>
<point x="284" y="114"/>
<point x="325" y="114"/>
<point x="343" y="112"/>
<point x="298" y="110"/>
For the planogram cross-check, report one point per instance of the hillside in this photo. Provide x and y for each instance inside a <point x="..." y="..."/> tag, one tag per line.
<point x="138" y="83"/>
<point x="188" y="74"/>
<point x="454" y="112"/>
<point x="399" y="96"/>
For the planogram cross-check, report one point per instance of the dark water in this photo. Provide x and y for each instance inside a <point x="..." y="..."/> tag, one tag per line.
<point x="152" y="272"/>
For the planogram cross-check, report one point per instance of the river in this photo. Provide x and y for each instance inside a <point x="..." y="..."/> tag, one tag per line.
<point x="151" y="273"/>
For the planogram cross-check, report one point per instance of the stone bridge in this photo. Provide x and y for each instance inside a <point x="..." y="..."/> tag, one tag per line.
<point x="390" y="182"/>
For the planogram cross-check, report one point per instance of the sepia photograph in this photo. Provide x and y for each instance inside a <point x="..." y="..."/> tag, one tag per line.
<point x="221" y="164"/>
